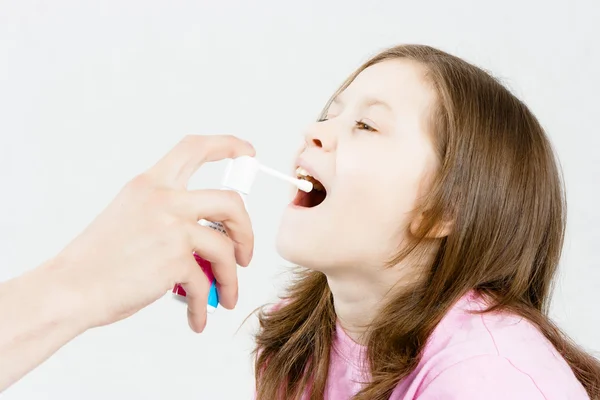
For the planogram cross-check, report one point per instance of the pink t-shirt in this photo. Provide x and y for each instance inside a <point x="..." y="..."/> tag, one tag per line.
<point x="468" y="356"/>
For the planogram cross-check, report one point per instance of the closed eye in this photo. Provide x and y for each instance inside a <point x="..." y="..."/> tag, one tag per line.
<point x="365" y="127"/>
<point x="358" y="124"/>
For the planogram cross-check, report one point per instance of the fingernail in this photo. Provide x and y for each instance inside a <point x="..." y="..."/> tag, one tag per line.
<point x="250" y="145"/>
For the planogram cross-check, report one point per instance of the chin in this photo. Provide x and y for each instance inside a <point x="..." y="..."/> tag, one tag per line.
<point x="310" y="249"/>
<point x="305" y="234"/>
<point x="299" y="247"/>
<point x="291" y="248"/>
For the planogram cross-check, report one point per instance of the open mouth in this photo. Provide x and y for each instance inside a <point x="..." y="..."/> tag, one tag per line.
<point x="312" y="198"/>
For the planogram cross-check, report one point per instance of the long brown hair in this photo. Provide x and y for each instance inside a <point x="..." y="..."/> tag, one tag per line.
<point x="499" y="183"/>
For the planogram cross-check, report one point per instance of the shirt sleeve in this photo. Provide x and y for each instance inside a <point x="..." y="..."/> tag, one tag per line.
<point x="482" y="377"/>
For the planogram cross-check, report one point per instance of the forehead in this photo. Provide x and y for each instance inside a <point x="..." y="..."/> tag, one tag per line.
<point x="399" y="83"/>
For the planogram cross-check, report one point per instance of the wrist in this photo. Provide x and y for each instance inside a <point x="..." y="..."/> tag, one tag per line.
<point x="62" y="301"/>
<point x="41" y="314"/>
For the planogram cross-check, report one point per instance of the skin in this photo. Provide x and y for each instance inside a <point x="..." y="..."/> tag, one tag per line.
<point x="374" y="171"/>
<point x="137" y="249"/>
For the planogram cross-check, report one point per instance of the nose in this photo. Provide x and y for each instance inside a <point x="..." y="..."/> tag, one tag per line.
<point x="321" y="135"/>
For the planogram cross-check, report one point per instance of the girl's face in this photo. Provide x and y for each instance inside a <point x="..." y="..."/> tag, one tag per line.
<point x="373" y="155"/>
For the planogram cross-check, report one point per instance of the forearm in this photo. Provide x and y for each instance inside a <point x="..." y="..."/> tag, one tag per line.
<point x="39" y="313"/>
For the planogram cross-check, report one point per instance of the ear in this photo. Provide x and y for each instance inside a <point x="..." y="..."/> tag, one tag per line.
<point x="439" y="230"/>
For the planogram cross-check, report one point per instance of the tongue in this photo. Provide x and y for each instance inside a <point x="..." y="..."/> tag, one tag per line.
<point x="302" y="199"/>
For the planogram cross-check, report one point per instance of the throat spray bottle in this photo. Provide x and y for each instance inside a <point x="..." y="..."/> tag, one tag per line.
<point x="239" y="177"/>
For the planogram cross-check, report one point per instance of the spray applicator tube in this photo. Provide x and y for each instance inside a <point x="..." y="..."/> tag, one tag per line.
<point x="239" y="177"/>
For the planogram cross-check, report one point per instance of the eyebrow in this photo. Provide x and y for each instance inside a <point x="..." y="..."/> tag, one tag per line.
<point x="370" y="102"/>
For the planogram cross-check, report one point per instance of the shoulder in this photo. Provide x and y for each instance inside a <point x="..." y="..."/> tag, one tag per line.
<point x="493" y="355"/>
<point x="486" y="376"/>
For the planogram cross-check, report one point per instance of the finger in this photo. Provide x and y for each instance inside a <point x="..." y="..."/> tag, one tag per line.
<point x="223" y="206"/>
<point x="218" y="249"/>
<point x="196" y="286"/>
<point x="179" y="164"/>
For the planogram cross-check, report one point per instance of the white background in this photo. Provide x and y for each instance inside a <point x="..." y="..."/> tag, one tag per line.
<point x="93" y="92"/>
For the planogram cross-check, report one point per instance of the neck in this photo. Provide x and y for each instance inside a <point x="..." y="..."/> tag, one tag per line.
<point x="358" y="297"/>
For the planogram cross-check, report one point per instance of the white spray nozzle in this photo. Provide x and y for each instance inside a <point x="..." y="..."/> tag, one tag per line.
<point x="242" y="171"/>
<point x="304" y="185"/>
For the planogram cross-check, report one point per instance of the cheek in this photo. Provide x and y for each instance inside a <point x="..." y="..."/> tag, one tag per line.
<point x="384" y="185"/>
<point x="359" y="184"/>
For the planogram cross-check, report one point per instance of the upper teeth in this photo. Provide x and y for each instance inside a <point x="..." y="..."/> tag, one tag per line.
<point x="301" y="172"/>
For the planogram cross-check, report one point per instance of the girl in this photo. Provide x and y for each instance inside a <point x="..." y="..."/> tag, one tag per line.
<point x="428" y="247"/>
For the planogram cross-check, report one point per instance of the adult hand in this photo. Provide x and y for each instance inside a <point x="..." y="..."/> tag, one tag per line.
<point x="142" y="244"/>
